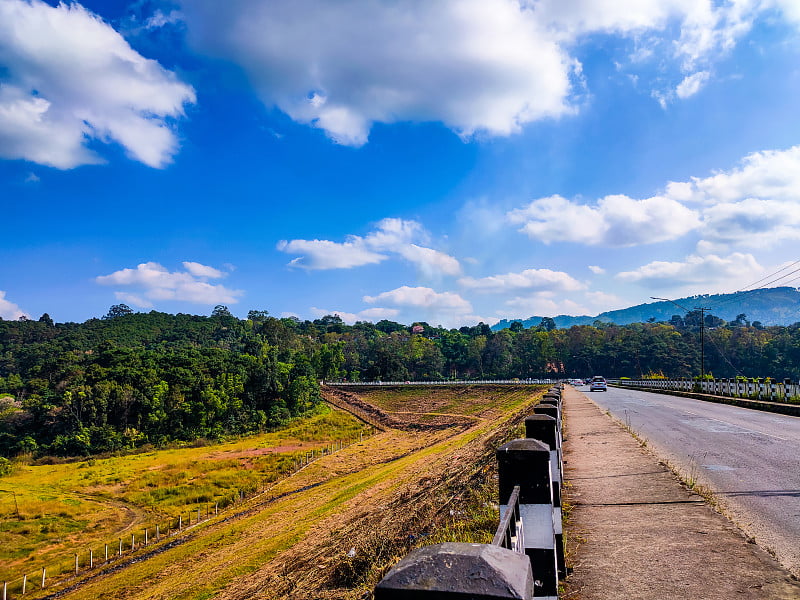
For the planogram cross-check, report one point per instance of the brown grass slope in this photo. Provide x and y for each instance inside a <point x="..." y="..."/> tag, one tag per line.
<point x="331" y="530"/>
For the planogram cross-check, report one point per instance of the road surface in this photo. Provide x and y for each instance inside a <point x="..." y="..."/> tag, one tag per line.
<point x="749" y="459"/>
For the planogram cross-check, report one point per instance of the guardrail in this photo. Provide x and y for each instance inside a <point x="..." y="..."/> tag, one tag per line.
<point x="526" y="557"/>
<point x="758" y="389"/>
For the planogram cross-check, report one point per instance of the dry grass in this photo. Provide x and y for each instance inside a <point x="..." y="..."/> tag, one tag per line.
<point x="51" y="511"/>
<point x="378" y="498"/>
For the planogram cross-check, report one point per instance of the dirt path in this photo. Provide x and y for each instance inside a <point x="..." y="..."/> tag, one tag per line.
<point x="636" y="532"/>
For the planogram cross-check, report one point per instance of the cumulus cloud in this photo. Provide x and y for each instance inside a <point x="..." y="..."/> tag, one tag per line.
<point x="475" y="65"/>
<point x="755" y="204"/>
<point x="542" y="305"/>
<point x="421" y="297"/>
<point x="488" y="66"/>
<point x="597" y="270"/>
<point x="153" y="282"/>
<point x="771" y="174"/>
<point x="692" y="84"/>
<point x="615" y="220"/>
<point x="70" y="78"/>
<point x="325" y="254"/>
<point x="9" y="310"/>
<point x="529" y="279"/>
<point x="391" y="237"/>
<point x="448" y="309"/>
<point x="709" y="271"/>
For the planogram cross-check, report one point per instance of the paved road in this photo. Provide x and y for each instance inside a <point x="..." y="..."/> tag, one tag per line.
<point x="749" y="459"/>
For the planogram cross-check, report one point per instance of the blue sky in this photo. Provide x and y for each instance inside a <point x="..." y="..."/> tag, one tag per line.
<point x="449" y="161"/>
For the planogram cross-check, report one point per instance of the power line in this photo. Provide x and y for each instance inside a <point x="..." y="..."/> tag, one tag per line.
<point x="744" y="290"/>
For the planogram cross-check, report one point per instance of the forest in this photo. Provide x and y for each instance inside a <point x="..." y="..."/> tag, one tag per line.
<point x="131" y="379"/>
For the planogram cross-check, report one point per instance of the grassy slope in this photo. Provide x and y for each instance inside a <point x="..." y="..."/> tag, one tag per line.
<point x="371" y="496"/>
<point x="66" y="508"/>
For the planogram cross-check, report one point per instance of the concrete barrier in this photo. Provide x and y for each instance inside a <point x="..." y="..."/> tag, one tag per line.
<point x="458" y="571"/>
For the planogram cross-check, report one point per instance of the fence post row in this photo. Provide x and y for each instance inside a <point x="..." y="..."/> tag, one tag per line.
<point x="526" y="556"/>
<point x="782" y="392"/>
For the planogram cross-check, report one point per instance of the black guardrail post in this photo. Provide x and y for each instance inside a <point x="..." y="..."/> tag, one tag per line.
<point x="526" y="463"/>
<point x="459" y="571"/>
<point x="545" y="429"/>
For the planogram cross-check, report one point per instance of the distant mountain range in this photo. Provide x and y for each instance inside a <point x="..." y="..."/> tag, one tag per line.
<point x="770" y="306"/>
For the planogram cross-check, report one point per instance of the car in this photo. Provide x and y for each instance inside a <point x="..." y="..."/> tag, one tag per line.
<point x="598" y="384"/>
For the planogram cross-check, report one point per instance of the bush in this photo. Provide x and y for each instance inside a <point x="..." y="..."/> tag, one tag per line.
<point x="6" y="466"/>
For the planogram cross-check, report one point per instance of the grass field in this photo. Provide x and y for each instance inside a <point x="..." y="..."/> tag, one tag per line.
<point x="330" y="530"/>
<point x="50" y="511"/>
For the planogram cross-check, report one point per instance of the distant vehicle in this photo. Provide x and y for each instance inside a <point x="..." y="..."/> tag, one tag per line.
<point x="598" y="384"/>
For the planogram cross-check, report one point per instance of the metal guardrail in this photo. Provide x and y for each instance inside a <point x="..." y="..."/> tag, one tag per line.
<point x="771" y="391"/>
<point x="510" y="532"/>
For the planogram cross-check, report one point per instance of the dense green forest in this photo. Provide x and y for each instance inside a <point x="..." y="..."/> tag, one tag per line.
<point x="131" y="379"/>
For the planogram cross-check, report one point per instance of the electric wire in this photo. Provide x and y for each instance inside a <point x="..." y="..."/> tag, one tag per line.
<point x="735" y="295"/>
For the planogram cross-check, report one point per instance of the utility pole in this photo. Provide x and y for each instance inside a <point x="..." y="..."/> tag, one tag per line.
<point x="702" y="310"/>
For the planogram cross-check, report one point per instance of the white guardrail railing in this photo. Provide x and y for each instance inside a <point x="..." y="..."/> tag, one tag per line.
<point x="760" y="389"/>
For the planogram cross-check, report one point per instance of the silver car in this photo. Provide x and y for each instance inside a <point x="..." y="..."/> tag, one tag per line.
<point x="598" y="384"/>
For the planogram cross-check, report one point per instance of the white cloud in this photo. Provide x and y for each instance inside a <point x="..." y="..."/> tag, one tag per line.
<point x="691" y="84"/>
<point x="160" y="19"/>
<point x="475" y="65"/>
<point x="542" y="305"/>
<point x="421" y="297"/>
<point x="431" y="262"/>
<point x="603" y="301"/>
<point x="488" y="66"/>
<point x="753" y="223"/>
<point x="771" y="174"/>
<point x="70" y="78"/>
<point x="324" y="254"/>
<point x="199" y="270"/>
<point x="712" y="272"/>
<point x="529" y="279"/>
<point x="9" y="310"/>
<point x="756" y="204"/>
<point x="154" y="282"/>
<point x="133" y="299"/>
<point x="615" y="220"/>
<point x="597" y="270"/>
<point x="392" y="236"/>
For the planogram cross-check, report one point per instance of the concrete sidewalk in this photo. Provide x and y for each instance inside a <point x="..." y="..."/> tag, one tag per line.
<point x="636" y="532"/>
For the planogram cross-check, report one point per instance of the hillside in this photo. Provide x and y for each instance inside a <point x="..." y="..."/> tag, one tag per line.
<point x="771" y="306"/>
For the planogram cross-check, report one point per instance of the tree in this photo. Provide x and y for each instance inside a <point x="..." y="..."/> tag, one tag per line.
<point x="220" y="310"/>
<point x="117" y="310"/>
<point x="516" y="326"/>
<point x="45" y="318"/>
<point x="547" y="324"/>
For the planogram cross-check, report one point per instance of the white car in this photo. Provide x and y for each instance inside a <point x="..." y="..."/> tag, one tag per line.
<point x="598" y="384"/>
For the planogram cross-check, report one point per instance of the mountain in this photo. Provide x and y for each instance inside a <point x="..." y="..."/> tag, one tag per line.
<point x="770" y="306"/>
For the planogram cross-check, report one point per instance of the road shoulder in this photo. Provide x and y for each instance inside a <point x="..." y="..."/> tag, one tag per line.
<point x="636" y="532"/>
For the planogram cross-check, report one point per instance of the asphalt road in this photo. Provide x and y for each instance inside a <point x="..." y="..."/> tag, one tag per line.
<point x="749" y="459"/>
